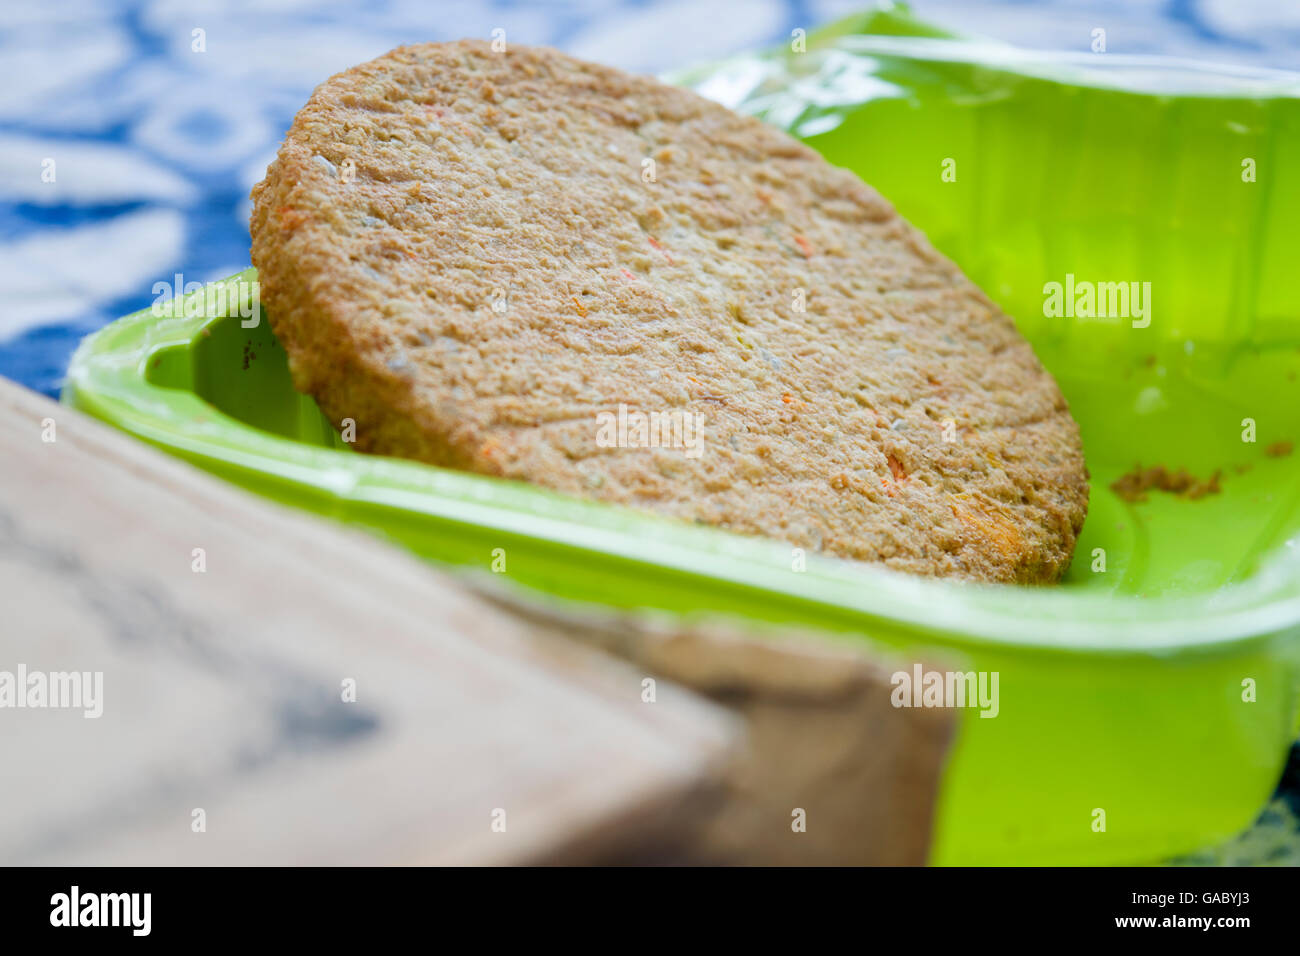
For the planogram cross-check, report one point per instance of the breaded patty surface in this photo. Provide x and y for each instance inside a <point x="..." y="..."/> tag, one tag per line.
<point x="508" y="262"/>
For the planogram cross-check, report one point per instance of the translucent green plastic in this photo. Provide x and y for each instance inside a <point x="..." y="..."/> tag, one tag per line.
<point x="1162" y="690"/>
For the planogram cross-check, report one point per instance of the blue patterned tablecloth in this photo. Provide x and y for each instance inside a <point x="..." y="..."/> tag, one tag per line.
<point x="157" y="117"/>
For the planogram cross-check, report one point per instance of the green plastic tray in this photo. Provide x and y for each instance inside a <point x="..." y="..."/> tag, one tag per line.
<point x="1121" y="690"/>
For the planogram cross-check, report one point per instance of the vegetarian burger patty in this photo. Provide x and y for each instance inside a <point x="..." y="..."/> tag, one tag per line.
<point x="509" y="263"/>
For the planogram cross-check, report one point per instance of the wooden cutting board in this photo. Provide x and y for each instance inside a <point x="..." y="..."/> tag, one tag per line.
<point x="277" y="689"/>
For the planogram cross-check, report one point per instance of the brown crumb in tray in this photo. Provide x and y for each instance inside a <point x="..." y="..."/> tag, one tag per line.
<point x="1279" y="449"/>
<point x="1134" y="485"/>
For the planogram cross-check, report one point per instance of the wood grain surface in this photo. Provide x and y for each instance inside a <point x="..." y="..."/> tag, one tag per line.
<point x="223" y="688"/>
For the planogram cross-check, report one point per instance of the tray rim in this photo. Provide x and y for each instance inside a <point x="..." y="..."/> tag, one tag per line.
<point x="108" y="377"/>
